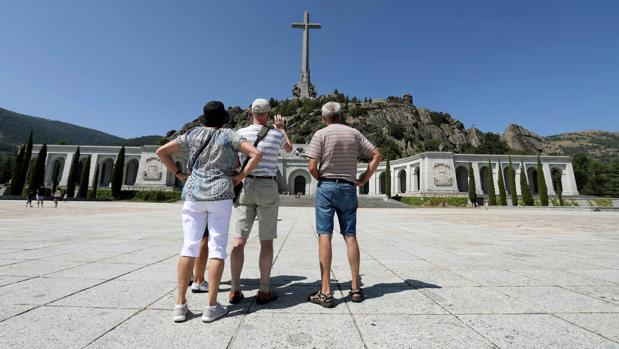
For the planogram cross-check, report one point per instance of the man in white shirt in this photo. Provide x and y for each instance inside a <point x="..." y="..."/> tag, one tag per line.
<point x="259" y="197"/>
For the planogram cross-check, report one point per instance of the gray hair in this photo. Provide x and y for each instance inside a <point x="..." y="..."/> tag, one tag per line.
<point x="331" y="111"/>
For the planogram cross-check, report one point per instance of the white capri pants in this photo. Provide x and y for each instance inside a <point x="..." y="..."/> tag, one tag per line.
<point x="195" y="216"/>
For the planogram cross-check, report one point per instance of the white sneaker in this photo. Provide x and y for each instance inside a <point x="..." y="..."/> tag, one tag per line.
<point x="212" y="313"/>
<point x="199" y="288"/>
<point x="179" y="314"/>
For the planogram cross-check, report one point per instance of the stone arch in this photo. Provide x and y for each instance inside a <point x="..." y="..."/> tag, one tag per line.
<point x="532" y="177"/>
<point x="105" y="175"/>
<point x="294" y="182"/>
<point x="299" y="185"/>
<point x="131" y="171"/>
<point x="556" y="174"/>
<point x="416" y="179"/>
<point x="56" y="171"/>
<point x="506" y="179"/>
<point x="365" y="189"/>
<point x="381" y="183"/>
<point x="402" y="181"/>
<point x="483" y="178"/>
<point x="462" y="178"/>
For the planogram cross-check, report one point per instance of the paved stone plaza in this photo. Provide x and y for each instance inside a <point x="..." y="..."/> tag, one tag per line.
<point x="103" y="275"/>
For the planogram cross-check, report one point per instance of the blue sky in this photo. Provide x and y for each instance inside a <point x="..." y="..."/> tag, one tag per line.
<point x="133" y="68"/>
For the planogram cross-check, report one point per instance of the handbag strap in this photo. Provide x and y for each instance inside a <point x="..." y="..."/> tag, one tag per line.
<point x="261" y="134"/>
<point x="197" y="154"/>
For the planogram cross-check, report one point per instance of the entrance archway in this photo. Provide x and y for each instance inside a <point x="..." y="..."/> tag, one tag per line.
<point x="299" y="185"/>
<point x="57" y="170"/>
<point x="483" y="178"/>
<point x="402" y="180"/>
<point x="557" y="176"/>
<point x="106" y="173"/>
<point x="381" y="183"/>
<point x="462" y="176"/>
<point x="131" y="173"/>
<point x="416" y="179"/>
<point x="506" y="179"/>
<point x="532" y="176"/>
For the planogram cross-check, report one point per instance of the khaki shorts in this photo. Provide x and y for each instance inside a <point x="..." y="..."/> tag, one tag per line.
<point x="259" y="197"/>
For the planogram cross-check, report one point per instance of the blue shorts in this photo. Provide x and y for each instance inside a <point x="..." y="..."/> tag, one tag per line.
<point x="340" y="198"/>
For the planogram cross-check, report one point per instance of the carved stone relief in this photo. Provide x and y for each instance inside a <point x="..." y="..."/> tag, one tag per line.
<point x="442" y="175"/>
<point x="152" y="170"/>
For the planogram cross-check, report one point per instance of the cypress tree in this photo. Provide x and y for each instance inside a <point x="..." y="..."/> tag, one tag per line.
<point x="541" y="184"/>
<point x="25" y="166"/>
<point x="501" y="183"/>
<point x="491" y="193"/>
<point x="388" y="178"/>
<point x="95" y="183"/>
<point x="559" y="191"/>
<point x="38" y="172"/>
<point x="83" y="192"/>
<point x="472" y="190"/>
<point x="512" y="183"/>
<point x="527" y="197"/>
<point x="117" y="174"/>
<point x="73" y="175"/>
<point x="13" y="190"/>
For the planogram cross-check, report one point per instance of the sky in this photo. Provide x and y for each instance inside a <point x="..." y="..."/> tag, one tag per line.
<point x="141" y="67"/>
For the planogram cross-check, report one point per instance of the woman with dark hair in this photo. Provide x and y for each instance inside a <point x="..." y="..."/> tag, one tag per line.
<point x="208" y="194"/>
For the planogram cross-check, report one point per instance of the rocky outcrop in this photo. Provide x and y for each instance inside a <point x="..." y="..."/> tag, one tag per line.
<point x="521" y="139"/>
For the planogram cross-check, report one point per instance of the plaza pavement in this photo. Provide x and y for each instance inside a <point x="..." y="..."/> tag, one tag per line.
<point x="102" y="275"/>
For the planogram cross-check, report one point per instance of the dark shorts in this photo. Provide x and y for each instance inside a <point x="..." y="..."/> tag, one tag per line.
<point x="336" y="198"/>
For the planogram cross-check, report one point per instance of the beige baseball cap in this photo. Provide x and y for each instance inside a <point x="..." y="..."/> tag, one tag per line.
<point x="260" y="106"/>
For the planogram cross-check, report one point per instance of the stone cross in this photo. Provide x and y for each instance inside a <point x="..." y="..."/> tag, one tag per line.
<point x="304" y="88"/>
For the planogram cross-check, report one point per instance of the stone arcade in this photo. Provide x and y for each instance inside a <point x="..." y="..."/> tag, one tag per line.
<point x="429" y="173"/>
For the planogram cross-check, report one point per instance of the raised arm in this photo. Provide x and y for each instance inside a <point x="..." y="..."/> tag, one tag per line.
<point x="164" y="153"/>
<point x="372" y="166"/>
<point x="254" y="155"/>
<point x="280" y="124"/>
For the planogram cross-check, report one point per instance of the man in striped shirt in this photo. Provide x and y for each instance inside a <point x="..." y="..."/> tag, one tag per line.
<point x="260" y="196"/>
<point x="333" y="152"/>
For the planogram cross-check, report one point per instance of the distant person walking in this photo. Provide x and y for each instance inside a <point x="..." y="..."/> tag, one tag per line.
<point x="57" y="196"/>
<point x="208" y="194"/>
<point x="333" y="153"/>
<point x="40" y="196"/>
<point x="259" y="198"/>
<point x="29" y="198"/>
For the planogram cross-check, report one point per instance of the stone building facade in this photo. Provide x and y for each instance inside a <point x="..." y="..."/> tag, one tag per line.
<point x="428" y="173"/>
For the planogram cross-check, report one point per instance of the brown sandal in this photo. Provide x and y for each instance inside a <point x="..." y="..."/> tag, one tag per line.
<point x="325" y="300"/>
<point x="357" y="295"/>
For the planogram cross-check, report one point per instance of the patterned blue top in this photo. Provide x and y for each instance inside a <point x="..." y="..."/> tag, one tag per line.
<point x="211" y="177"/>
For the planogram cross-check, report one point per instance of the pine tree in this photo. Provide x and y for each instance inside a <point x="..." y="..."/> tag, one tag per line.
<point x="541" y="184"/>
<point x="388" y="178"/>
<point x="527" y="197"/>
<point x="117" y="174"/>
<point x="17" y="165"/>
<point x="73" y="175"/>
<point x="472" y="189"/>
<point x="512" y="183"/>
<point x="501" y="183"/>
<point x="95" y="183"/>
<point x="83" y="192"/>
<point x="38" y="172"/>
<point x="491" y="193"/>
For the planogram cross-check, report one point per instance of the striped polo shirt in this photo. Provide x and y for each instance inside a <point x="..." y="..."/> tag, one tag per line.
<point x="269" y="146"/>
<point x="337" y="148"/>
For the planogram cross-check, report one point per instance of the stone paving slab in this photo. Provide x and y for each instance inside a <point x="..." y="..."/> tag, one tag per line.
<point x="435" y="278"/>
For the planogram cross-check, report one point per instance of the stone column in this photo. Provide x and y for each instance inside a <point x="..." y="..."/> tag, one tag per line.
<point x="478" y="188"/>
<point x="548" y="178"/>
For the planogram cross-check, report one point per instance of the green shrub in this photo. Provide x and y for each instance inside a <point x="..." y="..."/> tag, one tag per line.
<point x="434" y="201"/>
<point x="601" y="202"/>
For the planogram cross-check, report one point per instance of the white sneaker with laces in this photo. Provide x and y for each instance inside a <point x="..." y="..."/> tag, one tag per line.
<point x="179" y="314"/>
<point x="212" y="313"/>
<point x="199" y="288"/>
